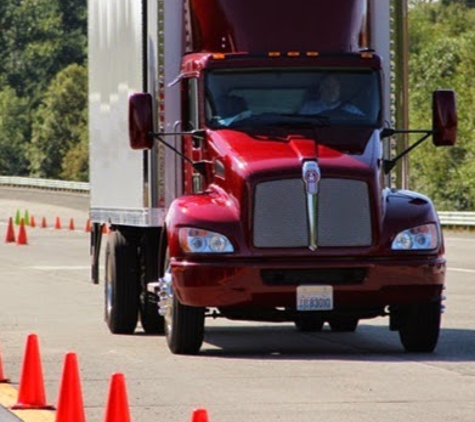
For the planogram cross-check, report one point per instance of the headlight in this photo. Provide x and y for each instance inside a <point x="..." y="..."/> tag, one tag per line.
<point x="203" y="241"/>
<point x="418" y="238"/>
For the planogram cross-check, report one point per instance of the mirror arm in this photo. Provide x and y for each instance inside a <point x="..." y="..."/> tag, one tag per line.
<point x="388" y="165"/>
<point x="199" y="166"/>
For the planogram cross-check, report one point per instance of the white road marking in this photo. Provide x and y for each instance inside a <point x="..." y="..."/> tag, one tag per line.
<point x="50" y="267"/>
<point x="461" y="270"/>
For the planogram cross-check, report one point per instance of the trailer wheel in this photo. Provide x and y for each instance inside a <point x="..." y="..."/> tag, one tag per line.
<point x="184" y="325"/>
<point x="419" y="326"/>
<point x="309" y="322"/>
<point x="343" y="324"/>
<point x="121" y="285"/>
<point x="152" y="322"/>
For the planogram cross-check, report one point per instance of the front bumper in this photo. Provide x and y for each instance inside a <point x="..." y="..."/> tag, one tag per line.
<point x="383" y="282"/>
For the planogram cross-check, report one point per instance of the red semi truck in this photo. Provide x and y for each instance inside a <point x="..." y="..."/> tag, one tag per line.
<point x="230" y="190"/>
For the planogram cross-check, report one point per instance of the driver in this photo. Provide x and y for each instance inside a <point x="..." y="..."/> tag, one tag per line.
<point x="328" y="98"/>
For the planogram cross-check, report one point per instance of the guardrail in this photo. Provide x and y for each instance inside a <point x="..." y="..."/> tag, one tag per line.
<point x="457" y="218"/>
<point x="447" y="218"/>
<point x="49" y="184"/>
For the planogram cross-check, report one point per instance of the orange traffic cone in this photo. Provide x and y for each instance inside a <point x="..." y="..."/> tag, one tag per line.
<point x="32" y="221"/>
<point x="43" y="223"/>
<point x="88" y="226"/>
<point x="117" y="409"/>
<point x="10" y="236"/>
<point x="71" y="224"/>
<point x="22" y="240"/>
<point x="31" y="394"/>
<point x="199" y="415"/>
<point x="3" y="378"/>
<point x="70" y="402"/>
<point x="57" y="225"/>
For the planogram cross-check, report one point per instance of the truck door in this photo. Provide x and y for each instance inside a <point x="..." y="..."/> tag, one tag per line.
<point x="192" y="180"/>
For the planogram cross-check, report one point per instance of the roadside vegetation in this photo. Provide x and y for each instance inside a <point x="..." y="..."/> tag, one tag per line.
<point x="442" y="56"/>
<point x="43" y="93"/>
<point x="43" y="89"/>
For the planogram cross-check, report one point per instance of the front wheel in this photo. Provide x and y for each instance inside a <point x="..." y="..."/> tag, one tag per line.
<point x="184" y="328"/>
<point x="184" y="325"/>
<point x="419" y="326"/>
<point x="309" y="323"/>
<point x="343" y="324"/>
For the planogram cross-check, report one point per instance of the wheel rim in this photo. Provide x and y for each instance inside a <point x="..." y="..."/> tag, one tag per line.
<point x="108" y="288"/>
<point x="168" y="317"/>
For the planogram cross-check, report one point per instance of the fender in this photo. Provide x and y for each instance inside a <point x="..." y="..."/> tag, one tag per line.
<point x="406" y="209"/>
<point x="212" y="210"/>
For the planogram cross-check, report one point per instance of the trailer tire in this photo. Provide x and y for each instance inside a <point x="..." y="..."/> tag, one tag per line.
<point x="121" y="285"/>
<point x="309" y="323"/>
<point x="419" y="326"/>
<point x="343" y="324"/>
<point x="152" y="322"/>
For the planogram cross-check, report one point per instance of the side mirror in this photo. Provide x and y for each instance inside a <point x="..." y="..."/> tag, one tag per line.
<point x="444" y="118"/>
<point x="140" y="121"/>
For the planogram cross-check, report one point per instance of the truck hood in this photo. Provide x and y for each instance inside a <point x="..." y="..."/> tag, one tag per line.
<point x="337" y="151"/>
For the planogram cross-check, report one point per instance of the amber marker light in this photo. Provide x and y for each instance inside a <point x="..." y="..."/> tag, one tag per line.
<point x="274" y="54"/>
<point x="219" y="56"/>
<point x="293" y="54"/>
<point x="312" y="53"/>
<point x="366" y="55"/>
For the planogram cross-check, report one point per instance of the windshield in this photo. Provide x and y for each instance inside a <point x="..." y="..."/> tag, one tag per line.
<point x="278" y="96"/>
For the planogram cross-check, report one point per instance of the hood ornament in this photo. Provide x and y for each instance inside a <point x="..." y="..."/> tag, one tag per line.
<point x="311" y="176"/>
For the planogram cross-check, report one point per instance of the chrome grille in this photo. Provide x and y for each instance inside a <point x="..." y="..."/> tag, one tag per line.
<point x="280" y="214"/>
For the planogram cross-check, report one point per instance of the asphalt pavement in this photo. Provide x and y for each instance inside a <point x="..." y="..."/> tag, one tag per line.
<point x="7" y="416"/>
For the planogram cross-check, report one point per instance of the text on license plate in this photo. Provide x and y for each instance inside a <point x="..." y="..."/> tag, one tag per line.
<point x="314" y="298"/>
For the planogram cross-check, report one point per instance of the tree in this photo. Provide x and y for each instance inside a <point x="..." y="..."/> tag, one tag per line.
<point x="13" y="134"/>
<point x="60" y="128"/>
<point x="32" y="34"/>
<point x="38" y="39"/>
<point x="442" y="56"/>
<point x="467" y="3"/>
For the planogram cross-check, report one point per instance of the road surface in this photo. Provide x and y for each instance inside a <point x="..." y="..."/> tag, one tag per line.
<point x="246" y="371"/>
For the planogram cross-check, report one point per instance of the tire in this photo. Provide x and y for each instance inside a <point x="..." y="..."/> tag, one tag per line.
<point x="309" y="323"/>
<point x="184" y="326"/>
<point x="152" y="322"/>
<point x="121" y="285"/>
<point x="419" y="326"/>
<point x="343" y="324"/>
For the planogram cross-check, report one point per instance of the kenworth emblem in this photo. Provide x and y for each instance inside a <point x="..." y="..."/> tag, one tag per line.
<point x="311" y="176"/>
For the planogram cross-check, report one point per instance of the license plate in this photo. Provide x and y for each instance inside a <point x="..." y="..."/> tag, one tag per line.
<point x="314" y="298"/>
